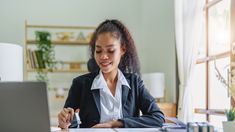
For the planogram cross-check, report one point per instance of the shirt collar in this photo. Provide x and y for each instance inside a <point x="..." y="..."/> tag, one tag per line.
<point x="99" y="81"/>
<point x="122" y="79"/>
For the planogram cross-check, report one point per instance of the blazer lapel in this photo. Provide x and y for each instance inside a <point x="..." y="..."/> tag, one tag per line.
<point x="96" y="96"/>
<point x="125" y="91"/>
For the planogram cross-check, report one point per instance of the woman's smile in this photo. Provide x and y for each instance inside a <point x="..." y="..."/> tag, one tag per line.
<point x="105" y="64"/>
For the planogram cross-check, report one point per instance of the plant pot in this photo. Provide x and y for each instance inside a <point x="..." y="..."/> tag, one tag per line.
<point x="229" y="126"/>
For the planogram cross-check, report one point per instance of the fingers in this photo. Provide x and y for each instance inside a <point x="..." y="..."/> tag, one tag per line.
<point x="62" y="122"/>
<point x="64" y="125"/>
<point x="65" y="117"/>
<point x="77" y="110"/>
<point x="97" y="126"/>
<point x="102" y="125"/>
<point x="71" y="111"/>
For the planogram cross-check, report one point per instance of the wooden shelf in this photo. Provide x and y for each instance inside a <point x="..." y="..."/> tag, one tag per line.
<point x="65" y="69"/>
<point x="59" y="26"/>
<point x="74" y="62"/>
<point x="62" y="42"/>
<point x="60" y="70"/>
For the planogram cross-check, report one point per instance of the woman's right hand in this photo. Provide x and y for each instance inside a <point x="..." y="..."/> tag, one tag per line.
<point x="65" y="117"/>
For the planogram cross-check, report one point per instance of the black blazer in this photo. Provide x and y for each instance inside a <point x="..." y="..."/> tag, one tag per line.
<point x="137" y="98"/>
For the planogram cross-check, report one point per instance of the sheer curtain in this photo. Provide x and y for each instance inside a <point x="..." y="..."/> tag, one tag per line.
<point x="188" y="30"/>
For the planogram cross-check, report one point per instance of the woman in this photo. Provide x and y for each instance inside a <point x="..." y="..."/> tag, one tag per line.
<point x="112" y="94"/>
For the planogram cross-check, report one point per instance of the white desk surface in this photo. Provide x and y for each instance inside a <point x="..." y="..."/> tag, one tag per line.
<point x="110" y="130"/>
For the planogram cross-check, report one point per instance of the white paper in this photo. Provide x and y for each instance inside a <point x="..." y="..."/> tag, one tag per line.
<point x="137" y="129"/>
<point x="92" y="130"/>
<point x="112" y="130"/>
<point x="55" y="129"/>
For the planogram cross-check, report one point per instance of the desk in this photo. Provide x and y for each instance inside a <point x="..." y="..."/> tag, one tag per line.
<point x="119" y="130"/>
<point x="111" y="130"/>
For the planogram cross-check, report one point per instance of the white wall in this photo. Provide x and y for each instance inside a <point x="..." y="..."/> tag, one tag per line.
<point x="151" y="23"/>
<point x="13" y="13"/>
<point x="157" y="45"/>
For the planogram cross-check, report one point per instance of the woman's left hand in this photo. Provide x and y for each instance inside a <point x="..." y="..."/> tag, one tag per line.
<point x="110" y="124"/>
<point x="103" y="125"/>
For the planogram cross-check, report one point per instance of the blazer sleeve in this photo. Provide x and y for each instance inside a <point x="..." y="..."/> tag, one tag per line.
<point x="152" y="116"/>
<point x="72" y="100"/>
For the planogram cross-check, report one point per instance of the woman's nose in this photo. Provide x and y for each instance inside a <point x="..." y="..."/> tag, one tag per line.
<point x="104" y="56"/>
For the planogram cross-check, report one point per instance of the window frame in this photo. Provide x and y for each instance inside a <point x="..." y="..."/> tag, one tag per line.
<point x="207" y="111"/>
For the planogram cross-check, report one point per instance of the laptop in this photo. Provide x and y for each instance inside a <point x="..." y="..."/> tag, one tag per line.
<point x="24" y="107"/>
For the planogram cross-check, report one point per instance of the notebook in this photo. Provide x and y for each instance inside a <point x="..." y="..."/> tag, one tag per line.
<point x="24" y="107"/>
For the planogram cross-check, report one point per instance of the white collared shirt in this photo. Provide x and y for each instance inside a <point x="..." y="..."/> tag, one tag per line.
<point x="110" y="106"/>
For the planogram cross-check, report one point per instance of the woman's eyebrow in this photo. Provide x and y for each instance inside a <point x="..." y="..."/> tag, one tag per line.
<point x="110" y="45"/>
<point x="107" y="46"/>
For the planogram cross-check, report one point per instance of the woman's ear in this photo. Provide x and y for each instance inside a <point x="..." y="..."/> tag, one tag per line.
<point x="123" y="50"/>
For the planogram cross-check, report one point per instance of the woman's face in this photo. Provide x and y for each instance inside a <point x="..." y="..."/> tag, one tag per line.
<point x="108" y="52"/>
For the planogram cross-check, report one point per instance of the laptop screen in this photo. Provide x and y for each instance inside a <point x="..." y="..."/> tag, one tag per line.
<point x="24" y="107"/>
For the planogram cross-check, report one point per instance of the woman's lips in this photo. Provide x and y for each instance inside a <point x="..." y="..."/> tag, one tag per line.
<point x="105" y="64"/>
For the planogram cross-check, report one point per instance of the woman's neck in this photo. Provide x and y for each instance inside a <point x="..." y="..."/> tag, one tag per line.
<point x="111" y="80"/>
<point x="111" y="77"/>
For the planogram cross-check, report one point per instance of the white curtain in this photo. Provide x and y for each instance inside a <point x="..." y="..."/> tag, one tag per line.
<point x="188" y="30"/>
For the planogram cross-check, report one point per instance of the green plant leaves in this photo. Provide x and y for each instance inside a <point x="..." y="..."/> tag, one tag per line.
<point x="230" y="114"/>
<point x="43" y="41"/>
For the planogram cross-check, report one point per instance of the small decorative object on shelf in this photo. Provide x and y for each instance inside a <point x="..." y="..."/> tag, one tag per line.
<point x="64" y="36"/>
<point x="81" y="37"/>
<point x="89" y="36"/>
<point x="75" y="66"/>
<point x="60" y="93"/>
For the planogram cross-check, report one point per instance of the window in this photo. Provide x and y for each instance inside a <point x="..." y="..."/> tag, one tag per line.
<point x="211" y="96"/>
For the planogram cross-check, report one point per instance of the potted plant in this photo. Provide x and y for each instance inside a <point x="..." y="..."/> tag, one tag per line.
<point x="45" y="55"/>
<point x="229" y="125"/>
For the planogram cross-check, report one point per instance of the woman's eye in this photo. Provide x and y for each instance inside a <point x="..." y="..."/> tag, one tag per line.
<point x="98" y="51"/>
<point x="111" y="51"/>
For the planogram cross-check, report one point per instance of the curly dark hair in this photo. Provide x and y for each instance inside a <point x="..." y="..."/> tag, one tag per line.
<point x="129" y="62"/>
